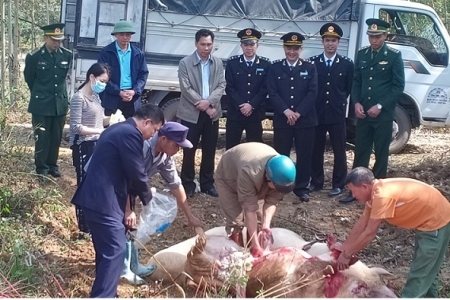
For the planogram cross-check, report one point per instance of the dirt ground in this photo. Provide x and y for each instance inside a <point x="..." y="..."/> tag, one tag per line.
<point x="424" y="158"/>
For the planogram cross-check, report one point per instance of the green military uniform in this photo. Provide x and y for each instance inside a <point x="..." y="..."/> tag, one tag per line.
<point x="45" y="73"/>
<point x="379" y="80"/>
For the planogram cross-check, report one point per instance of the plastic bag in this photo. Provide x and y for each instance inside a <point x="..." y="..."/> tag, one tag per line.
<point x="155" y="217"/>
<point x="116" y="117"/>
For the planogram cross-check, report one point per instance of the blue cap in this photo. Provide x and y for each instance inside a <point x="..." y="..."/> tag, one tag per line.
<point x="176" y="132"/>
<point x="281" y="171"/>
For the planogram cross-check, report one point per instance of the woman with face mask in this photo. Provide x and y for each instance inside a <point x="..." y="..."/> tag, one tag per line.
<point x="87" y="120"/>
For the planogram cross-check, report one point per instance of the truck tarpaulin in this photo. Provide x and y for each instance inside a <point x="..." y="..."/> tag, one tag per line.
<point x="295" y="10"/>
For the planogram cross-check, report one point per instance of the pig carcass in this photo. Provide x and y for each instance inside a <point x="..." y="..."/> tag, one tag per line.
<point x="285" y="270"/>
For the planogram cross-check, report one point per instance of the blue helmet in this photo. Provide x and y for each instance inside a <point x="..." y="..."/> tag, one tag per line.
<point x="281" y="171"/>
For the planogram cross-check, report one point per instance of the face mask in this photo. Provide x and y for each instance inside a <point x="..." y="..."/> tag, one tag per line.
<point x="98" y="87"/>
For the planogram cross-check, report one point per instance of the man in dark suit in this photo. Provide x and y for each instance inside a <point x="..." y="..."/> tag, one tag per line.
<point x="292" y="86"/>
<point x="335" y="76"/>
<point x="45" y="73"/>
<point x="377" y="85"/>
<point x="246" y="77"/>
<point x="116" y="164"/>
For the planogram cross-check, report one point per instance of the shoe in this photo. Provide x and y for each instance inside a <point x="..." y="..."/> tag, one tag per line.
<point x="335" y="192"/>
<point x="304" y="197"/>
<point x="348" y="199"/>
<point x="43" y="178"/>
<point x="55" y="173"/>
<point x="211" y="192"/>
<point x="314" y="188"/>
<point x="190" y="194"/>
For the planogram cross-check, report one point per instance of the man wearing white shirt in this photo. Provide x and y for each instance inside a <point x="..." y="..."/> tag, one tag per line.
<point x="335" y="76"/>
<point x="292" y="86"/>
<point x="246" y="89"/>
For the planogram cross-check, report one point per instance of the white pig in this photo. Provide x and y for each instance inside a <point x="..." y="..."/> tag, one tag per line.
<point x="210" y="256"/>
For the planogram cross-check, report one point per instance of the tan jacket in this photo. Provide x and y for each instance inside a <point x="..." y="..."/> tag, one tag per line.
<point x="190" y="76"/>
<point x="243" y="169"/>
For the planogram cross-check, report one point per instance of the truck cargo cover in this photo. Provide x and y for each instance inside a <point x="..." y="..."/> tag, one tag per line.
<point x="265" y="9"/>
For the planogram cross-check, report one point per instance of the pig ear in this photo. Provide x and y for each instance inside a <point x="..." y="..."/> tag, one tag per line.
<point x="381" y="271"/>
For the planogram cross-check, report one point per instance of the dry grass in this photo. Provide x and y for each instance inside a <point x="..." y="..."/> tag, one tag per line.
<point x="40" y="226"/>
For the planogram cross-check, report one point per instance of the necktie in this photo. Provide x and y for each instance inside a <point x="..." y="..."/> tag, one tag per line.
<point x="374" y="54"/>
<point x="291" y="67"/>
<point x="249" y="63"/>
<point x="328" y="63"/>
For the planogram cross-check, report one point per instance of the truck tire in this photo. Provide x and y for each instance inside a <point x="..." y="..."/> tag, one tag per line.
<point x="169" y="109"/>
<point x="401" y="130"/>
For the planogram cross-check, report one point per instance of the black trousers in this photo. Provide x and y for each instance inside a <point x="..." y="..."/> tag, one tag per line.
<point x="80" y="156"/>
<point x="48" y="132"/>
<point x="337" y="139"/>
<point x="108" y="237"/>
<point x="303" y="140"/>
<point x="127" y="109"/>
<point x="234" y="129"/>
<point x="208" y="132"/>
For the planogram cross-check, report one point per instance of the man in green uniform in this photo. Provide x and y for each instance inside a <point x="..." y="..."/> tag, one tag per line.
<point x="45" y="73"/>
<point x="377" y="85"/>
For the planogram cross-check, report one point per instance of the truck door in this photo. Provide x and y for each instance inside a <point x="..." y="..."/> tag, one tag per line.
<point x="422" y="39"/>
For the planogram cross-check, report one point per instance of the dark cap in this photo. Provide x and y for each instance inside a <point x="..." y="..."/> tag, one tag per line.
<point x="292" y="39"/>
<point x="176" y="132"/>
<point x="377" y="26"/>
<point x="249" y="35"/>
<point x="331" y="30"/>
<point x="55" y="31"/>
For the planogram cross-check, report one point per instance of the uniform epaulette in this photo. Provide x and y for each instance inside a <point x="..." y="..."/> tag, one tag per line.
<point x="392" y="49"/>
<point x="277" y="61"/>
<point x="35" y="51"/>
<point x="363" y="48"/>
<point x="306" y="60"/>
<point x="233" y="57"/>
<point x="264" y="58"/>
<point x="347" y="58"/>
<point x="313" y="57"/>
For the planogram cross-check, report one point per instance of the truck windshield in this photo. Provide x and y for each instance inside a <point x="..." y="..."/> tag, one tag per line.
<point x="420" y="31"/>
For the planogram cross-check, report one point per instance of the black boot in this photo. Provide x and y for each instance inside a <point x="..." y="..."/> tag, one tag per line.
<point x="348" y="199"/>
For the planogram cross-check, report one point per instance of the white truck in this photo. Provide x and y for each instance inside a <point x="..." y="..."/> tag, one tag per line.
<point x="165" y="32"/>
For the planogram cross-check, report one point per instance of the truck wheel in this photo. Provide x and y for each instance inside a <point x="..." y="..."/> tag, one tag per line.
<point x="401" y="130"/>
<point x="170" y="110"/>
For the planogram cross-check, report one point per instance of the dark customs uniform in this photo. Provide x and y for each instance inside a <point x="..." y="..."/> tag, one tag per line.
<point x="246" y="83"/>
<point x="45" y="73"/>
<point x="335" y="77"/>
<point x="378" y="84"/>
<point x="292" y="86"/>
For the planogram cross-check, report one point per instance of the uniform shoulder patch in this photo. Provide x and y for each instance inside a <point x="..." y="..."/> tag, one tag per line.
<point x="347" y="58"/>
<point x="277" y="61"/>
<point x="306" y="60"/>
<point x="392" y="49"/>
<point x="35" y="51"/>
<point x="363" y="48"/>
<point x="233" y="57"/>
<point x="264" y="58"/>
